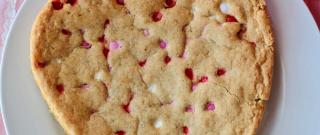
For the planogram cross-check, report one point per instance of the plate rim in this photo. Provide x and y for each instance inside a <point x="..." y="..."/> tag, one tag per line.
<point x="3" y="57"/>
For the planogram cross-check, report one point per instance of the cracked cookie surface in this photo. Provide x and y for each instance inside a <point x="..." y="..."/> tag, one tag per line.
<point x="154" y="67"/>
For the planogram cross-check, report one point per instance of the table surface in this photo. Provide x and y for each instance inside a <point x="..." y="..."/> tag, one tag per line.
<point x="9" y="8"/>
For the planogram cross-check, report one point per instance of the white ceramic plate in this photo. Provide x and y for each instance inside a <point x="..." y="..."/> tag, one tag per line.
<point x="294" y="107"/>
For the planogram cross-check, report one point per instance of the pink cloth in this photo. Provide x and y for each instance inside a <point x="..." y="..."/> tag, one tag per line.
<point x="9" y="8"/>
<point x="314" y="6"/>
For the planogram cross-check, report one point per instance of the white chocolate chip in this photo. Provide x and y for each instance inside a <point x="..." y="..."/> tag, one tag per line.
<point x="195" y="9"/>
<point x="72" y="132"/>
<point x="152" y="88"/>
<point x="158" y="123"/>
<point x="59" y="61"/>
<point x="224" y="8"/>
<point x="174" y="103"/>
<point x="99" y="75"/>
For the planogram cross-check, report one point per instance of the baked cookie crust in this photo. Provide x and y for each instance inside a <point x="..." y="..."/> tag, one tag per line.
<point x="149" y="67"/>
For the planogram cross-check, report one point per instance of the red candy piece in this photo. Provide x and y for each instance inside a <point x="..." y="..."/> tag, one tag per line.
<point x="126" y="108"/>
<point x="156" y="16"/>
<point x="185" y="130"/>
<point x="57" y="5"/>
<point x="66" y="32"/>
<point x="92" y="111"/>
<point x="142" y="63"/>
<point x="101" y="39"/>
<point x="170" y="3"/>
<point x="220" y="72"/>
<point x="203" y="79"/>
<point x="71" y="2"/>
<point x="60" y="88"/>
<point x="40" y="64"/>
<point x="167" y="59"/>
<point x="253" y="44"/>
<point x="120" y="132"/>
<point x="105" y="52"/>
<point x="86" y="45"/>
<point x="120" y="2"/>
<point x="230" y="18"/>
<point x="189" y="73"/>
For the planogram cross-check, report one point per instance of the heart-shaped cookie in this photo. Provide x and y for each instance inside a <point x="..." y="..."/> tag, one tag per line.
<point x="149" y="67"/>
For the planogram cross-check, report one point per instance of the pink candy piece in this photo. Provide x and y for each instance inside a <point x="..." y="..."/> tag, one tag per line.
<point x="173" y="103"/>
<point x="183" y="55"/>
<point x="189" y="108"/>
<point x="114" y="45"/>
<point x="163" y="44"/>
<point x="106" y="23"/>
<point x="210" y="106"/>
<point x="146" y="32"/>
<point x="85" y="86"/>
<point x="194" y="86"/>
<point x="85" y="45"/>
